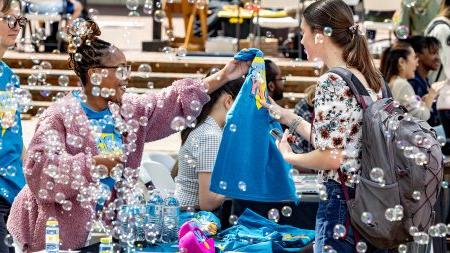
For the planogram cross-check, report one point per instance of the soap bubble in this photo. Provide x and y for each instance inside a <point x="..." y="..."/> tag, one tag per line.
<point x="181" y="52"/>
<point x="274" y="114"/>
<point x="95" y="91"/>
<point x="402" y="248"/>
<point x="67" y="205"/>
<point x="195" y="105"/>
<point x="9" y="240"/>
<point x="127" y="111"/>
<point x="421" y="158"/>
<point x="104" y="92"/>
<point x="441" y="229"/>
<point x="233" y="219"/>
<point x="339" y="231"/>
<point x="43" y="194"/>
<point x="178" y="123"/>
<point x="377" y="174"/>
<point x="60" y="197"/>
<point x="367" y="218"/>
<point x="159" y="16"/>
<point x="242" y="186"/>
<point x="402" y="32"/>
<point x="132" y="5"/>
<point x="421" y="238"/>
<point x="77" y="41"/>
<point x="93" y="13"/>
<point x="63" y="80"/>
<point x="143" y="121"/>
<point x="170" y="35"/>
<point x="167" y="50"/>
<point x="122" y="73"/>
<point x="286" y="211"/>
<point x="390" y="214"/>
<point x="416" y="195"/>
<point x="274" y="215"/>
<point x="361" y="247"/>
<point x="328" y="31"/>
<point x="413" y="230"/>
<point x="78" y="57"/>
<point x="144" y="70"/>
<point x="223" y="185"/>
<point x="441" y="139"/>
<point x="410" y="3"/>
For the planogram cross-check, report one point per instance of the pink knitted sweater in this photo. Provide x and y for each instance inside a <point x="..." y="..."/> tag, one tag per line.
<point x="29" y="212"/>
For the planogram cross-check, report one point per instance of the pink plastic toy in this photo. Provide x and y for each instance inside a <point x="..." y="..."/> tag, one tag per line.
<point x="193" y="240"/>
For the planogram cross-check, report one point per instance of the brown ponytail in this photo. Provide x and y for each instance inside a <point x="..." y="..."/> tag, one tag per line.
<point x="345" y="33"/>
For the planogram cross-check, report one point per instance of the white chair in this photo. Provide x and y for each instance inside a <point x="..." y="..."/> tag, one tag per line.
<point x="163" y="159"/>
<point x="157" y="174"/>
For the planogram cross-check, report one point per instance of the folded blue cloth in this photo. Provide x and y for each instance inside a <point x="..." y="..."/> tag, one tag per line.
<point x="254" y="233"/>
<point x="248" y="165"/>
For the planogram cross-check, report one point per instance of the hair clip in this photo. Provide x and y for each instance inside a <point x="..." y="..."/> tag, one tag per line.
<point x="354" y="29"/>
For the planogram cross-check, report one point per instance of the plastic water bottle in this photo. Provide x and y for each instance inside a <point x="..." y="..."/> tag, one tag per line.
<point x="52" y="236"/>
<point x="106" y="245"/>
<point x="138" y="217"/>
<point x="154" y="210"/>
<point x="171" y="214"/>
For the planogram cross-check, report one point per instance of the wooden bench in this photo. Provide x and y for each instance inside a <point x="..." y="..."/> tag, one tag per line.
<point x="44" y="96"/>
<point x="159" y="79"/>
<point x="160" y="62"/>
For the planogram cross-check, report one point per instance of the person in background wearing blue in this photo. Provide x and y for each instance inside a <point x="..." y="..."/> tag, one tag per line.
<point x="11" y="144"/>
<point x="427" y="52"/>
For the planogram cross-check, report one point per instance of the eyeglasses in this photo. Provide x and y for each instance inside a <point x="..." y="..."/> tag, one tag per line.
<point x="282" y="80"/>
<point x="13" y="21"/>
<point x="123" y="73"/>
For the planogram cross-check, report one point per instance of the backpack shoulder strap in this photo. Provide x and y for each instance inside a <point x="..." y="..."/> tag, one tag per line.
<point x="357" y="88"/>
<point x="436" y="23"/>
<point x="386" y="91"/>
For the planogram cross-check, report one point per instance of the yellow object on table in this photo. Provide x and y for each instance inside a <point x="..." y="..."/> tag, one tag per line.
<point x="230" y="11"/>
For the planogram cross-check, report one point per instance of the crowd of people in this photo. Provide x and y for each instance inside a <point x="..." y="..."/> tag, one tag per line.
<point x="48" y="177"/>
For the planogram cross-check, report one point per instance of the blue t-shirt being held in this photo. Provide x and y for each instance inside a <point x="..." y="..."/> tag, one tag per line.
<point x="11" y="144"/>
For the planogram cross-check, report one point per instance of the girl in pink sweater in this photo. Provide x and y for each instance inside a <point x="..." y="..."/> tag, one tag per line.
<point x="99" y="132"/>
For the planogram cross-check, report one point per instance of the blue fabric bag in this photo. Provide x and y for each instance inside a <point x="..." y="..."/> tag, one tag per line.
<point x="254" y="233"/>
<point x="248" y="165"/>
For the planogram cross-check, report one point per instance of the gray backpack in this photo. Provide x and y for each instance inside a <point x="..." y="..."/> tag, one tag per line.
<point x="406" y="150"/>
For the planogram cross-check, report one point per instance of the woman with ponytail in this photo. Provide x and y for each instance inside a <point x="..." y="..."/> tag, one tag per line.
<point x="330" y="35"/>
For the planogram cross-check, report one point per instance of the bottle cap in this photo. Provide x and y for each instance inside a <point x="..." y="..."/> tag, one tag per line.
<point x="106" y="239"/>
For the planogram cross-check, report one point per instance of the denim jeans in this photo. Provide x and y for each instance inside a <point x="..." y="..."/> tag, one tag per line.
<point x="4" y="212"/>
<point x="331" y="212"/>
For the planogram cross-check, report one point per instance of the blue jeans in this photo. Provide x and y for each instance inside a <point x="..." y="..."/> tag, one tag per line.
<point x="331" y="212"/>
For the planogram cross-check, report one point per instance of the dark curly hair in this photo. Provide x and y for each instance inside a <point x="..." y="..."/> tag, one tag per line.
<point x="92" y="51"/>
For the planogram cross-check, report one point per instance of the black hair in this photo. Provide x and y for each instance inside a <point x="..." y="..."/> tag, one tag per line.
<point x="270" y="73"/>
<point x="92" y="51"/>
<point x="390" y="58"/>
<point x="419" y="43"/>
<point x="232" y="88"/>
